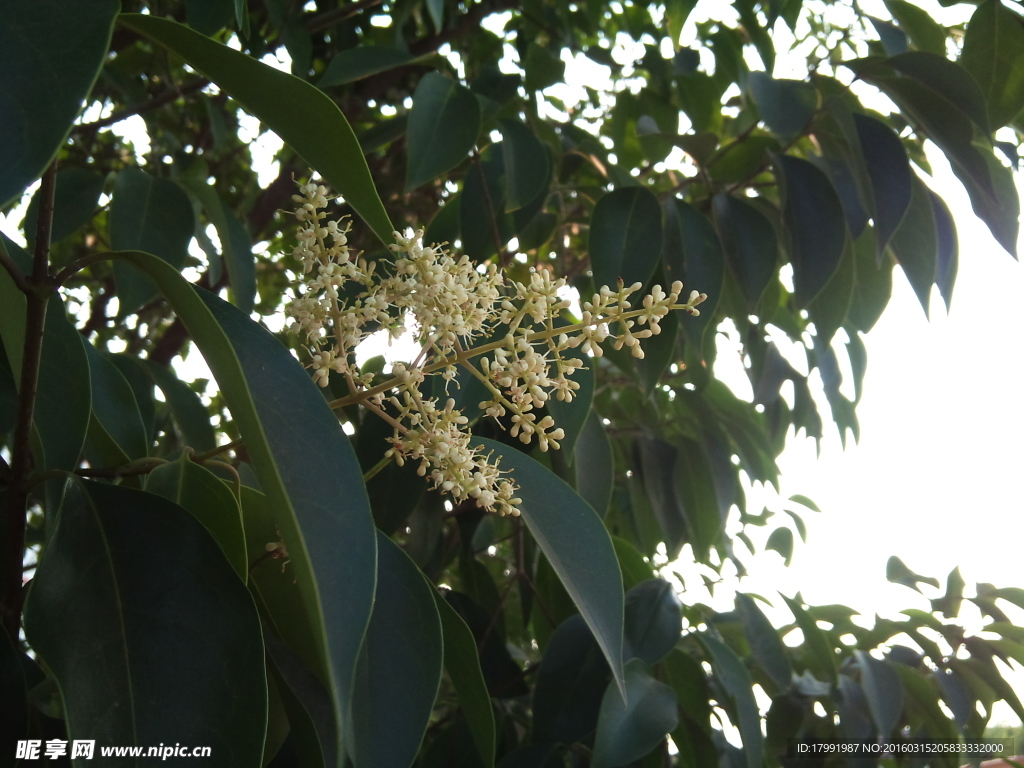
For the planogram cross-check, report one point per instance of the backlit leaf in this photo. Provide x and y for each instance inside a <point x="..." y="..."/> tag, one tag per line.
<point x="993" y="53"/>
<point x="765" y="643"/>
<point x="891" y="178"/>
<point x="916" y="245"/>
<point x="927" y="34"/>
<point x="785" y="106"/>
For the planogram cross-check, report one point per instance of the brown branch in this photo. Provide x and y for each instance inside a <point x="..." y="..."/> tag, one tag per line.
<point x="328" y="19"/>
<point x="37" y="298"/>
<point x="168" y="96"/>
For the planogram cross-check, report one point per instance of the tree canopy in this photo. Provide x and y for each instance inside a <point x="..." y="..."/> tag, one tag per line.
<point x="458" y="559"/>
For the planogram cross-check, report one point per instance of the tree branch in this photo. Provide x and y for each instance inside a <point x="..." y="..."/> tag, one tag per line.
<point x="17" y="491"/>
<point x="168" y="96"/>
<point x="328" y="19"/>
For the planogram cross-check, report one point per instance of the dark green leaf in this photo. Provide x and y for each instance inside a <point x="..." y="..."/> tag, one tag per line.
<point x="208" y="500"/>
<point x="693" y="254"/>
<point x="394" y="491"/>
<point x="742" y="159"/>
<point x="883" y="691"/>
<point x="445" y="226"/>
<point x="362" y="61"/>
<point x="765" y="644"/>
<point x="897" y="572"/>
<point x="946" y="78"/>
<point x="748" y="241"/>
<point x="303" y="116"/>
<point x="576" y="543"/>
<point x="242" y="17"/>
<point x="653" y="620"/>
<point x="993" y="53"/>
<point x="151" y="215"/>
<point x="189" y="411"/>
<point x="167" y="644"/>
<point x="656" y="466"/>
<point x="573" y="678"/>
<point x="785" y="106"/>
<point x="208" y="17"/>
<point x="916" y="245"/>
<point x="735" y="679"/>
<point x="629" y="729"/>
<point x="13" y="693"/>
<point x="542" y="69"/>
<point x="894" y="39"/>
<point x="845" y="182"/>
<point x="463" y="667"/>
<point x="927" y="34"/>
<point x="829" y="308"/>
<point x="399" y="667"/>
<point x="443" y="127"/>
<point x="485" y="226"/>
<point x="947" y="258"/>
<point x="873" y="285"/>
<point x="311" y="477"/>
<point x="527" y="164"/>
<point x="114" y="409"/>
<point x="137" y="375"/>
<point x="625" y="237"/>
<point x="594" y="465"/>
<point x="950" y="602"/>
<point x="659" y="351"/>
<point x="815" y="639"/>
<point x="1000" y="211"/>
<point x="75" y="199"/>
<point x="891" y="178"/>
<point x="383" y="133"/>
<point x="694" y="481"/>
<point x="854" y="711"/>
<point x="956" y="694"/>
<point x="634" y="568"/>
<point x="572" y="416"/>
<point x="814" y="217"/>
<point x="781" y="541"/>
<point x="45" y="84"/>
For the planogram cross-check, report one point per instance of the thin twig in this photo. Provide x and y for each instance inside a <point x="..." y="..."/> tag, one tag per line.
<point x="200" y="458"/>
<point x="328" y="19"/>
<point x="156" y="102"/>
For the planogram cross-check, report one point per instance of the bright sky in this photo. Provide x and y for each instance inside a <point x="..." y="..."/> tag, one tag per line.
<point x="936" y="478"/>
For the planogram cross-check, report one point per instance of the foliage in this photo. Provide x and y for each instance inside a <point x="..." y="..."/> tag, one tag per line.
<point x="242" y="567"/>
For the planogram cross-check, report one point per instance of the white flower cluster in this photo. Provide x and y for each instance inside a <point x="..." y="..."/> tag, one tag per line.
<point x="452" y="302"/>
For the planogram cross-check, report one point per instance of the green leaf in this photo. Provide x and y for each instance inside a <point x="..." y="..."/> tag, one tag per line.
<point x="485" y="226"/>
<point x="463" y="666"/>
<point x="151" y="215"/>
<point x="659" y="351"/>
<point x="634" y="568"/>
<point x="542" y="68"/>
<point x="786" y="106"/>
<point x="208" y="17"/>
<point x="817" y="226"/>
<point x="742" y="158"/>
<point x="628" y="730"/>
<point x="45" y="84"/>
<point x="781" y="541"/>
<point x="748" y="241"/>
<point x="399" y="667"/>
<point x="873" y="285"/>
<point x="657" y="464"/>
<point x="188" y="410"/>
<point x="445" y="226"/>
<point x="527" y="164"/>
<point x="242" y="17"/>
<point x="362" y="61"/>
<point x="75" y="199"/>
<point x="692" y="253"/>
<point x="888" y="169"/>
<point x="14" y="726"/>
<point x="594" y="464"/>
<point x="208" y="500"/>
<point x="956" y="694"/>
<point x="1000" y="209"/>
<point x="436" y="10"/>
<point x="303" y="116"/>
<point x="897" y="572"/>
<point x="443" y="127"/>
<point x="735" y="679"/>
<point x="765" y="644"/>
<point x="993" y="53"/>
<point x="948" y="256"/>
<point x="694" y="482"/>
<point x="235" y="242"/>
<point x="829" y="308"/>
<point x="115" y="412"/>
<point x="575" y="541"/>
<point x="133" y="573"/>
<point x="927" y="34"/>
<point x="625" y="237"/>
<point x="950" y="602"/>
<point x="894" y="40"/>
<point x="947" y="79"/>
<point x="883" y="690"/>
<point x="815" y="639"/>
<point x="137" y="375"/>
<point x="310" y="475"/>
<point x="653" y="620"/>
<point x="572" y="416"/>
<point x="572" y="679"/>
<point x="805" y="502"/>
<point x="916" y="245"/>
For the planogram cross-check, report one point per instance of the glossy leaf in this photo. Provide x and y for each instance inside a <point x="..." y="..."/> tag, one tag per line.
<point x="653" y="620"/>
<point x="572" y="679"/>
<point x="188" y="410"/>
<point x="203" y="495"/>
<point x="785" y="106"/>
<point x="399" y="666"/>
<point x="628" y="730"/>
<point x="748" y="241"/>
<point x="916" y="245"/>
<point x="814" y="217"/>
<point x="891" y="178"/>
<point x="594" y="465"/>
<point x="735" y="679"/>
<point x="692" y="253"/>
<point x="115" y="412"/>
<point x="527" y="164"/>
<point x="993" y="53"/>
<point x="576" y="543"/>
<point x="45" y="84"/>
<point x="625" y="237"/>
<point x="75" y="199"/>
<point x="443" y="128"/>
<point x="354" y="64"/>
<point x="311" y="478"/>
<point x="927" y="34"/>
<point x="463" y="667"/>
<point x="152" y="215"/>
<point x="304" y="117"/>
<point x="168" y="631"/>
<point x="765" y="644"/>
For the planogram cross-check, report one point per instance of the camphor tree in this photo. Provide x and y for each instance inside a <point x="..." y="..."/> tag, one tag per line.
<point x="457" y="558"/>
